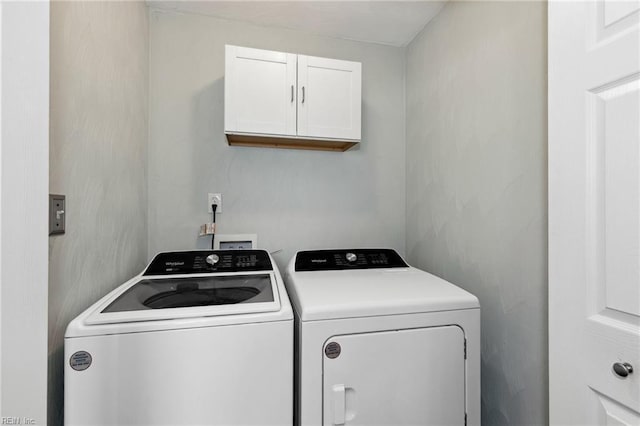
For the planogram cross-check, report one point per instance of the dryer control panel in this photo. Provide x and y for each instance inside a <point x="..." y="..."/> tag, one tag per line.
<point x="207" y="261"/>
<point x="336" y="260"/>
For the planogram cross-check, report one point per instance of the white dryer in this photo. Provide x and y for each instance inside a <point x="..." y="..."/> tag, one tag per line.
<point x="198" y="338"/>
<point x="381" y="343"/>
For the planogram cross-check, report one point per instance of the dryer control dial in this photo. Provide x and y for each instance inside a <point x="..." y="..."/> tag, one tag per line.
<point x="351" y="257"/>
<point x="212" y="259"/>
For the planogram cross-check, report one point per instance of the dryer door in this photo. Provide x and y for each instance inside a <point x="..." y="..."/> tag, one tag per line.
<point x="401" y="378"/>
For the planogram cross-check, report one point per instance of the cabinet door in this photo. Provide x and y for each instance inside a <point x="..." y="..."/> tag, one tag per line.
<point x="259" y="91"/>
<point x="329" y="98"/>
<point x="401" y="378"/>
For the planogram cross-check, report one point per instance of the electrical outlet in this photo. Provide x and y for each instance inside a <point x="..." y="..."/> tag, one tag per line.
<point x="215" y="199"/>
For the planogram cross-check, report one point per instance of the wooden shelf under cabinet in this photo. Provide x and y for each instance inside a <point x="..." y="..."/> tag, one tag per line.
<point x="289" y="143"/>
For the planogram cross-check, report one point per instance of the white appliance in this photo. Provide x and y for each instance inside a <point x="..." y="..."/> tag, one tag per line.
<point x="198" y="338"/>
<point x="381" y="343"/>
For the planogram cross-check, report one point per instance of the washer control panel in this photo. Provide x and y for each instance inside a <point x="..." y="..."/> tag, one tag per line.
<point x="202" y="262"/>
<point x="335" y="260"/>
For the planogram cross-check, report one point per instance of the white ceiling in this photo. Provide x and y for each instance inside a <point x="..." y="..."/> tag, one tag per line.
<point x="394" y="23"/>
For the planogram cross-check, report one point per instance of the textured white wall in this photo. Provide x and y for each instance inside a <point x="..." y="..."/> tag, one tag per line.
<point x="476" y="185"/>
<point x="291" y="199"/>
<point x="98" y="137"/>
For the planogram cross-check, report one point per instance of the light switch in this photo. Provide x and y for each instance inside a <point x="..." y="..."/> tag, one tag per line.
<point x="57" y="214"/>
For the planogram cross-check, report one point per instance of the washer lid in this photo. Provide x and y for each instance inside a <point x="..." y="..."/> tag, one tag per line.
<point x="193" y="295"/>
<point x="350" y="293"/>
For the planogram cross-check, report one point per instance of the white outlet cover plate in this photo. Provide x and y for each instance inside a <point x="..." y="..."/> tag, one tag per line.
<point x="235" y="241"/>
<point x="214" y="199"/>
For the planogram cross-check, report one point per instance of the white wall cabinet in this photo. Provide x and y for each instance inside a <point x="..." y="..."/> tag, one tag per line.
<point x="330" y="103"/>
<point x="285" y="100"/>
<point x="260" y="91"/>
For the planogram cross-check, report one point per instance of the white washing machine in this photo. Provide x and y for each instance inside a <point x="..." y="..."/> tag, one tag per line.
<point x="198" y="338"/>
<point x="381" y="343"/>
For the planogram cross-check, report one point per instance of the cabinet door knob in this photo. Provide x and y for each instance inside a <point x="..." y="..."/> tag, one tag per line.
<point x="292" y="93"/>
<point x="302" y="94"/>
<point x="622" y="369"/>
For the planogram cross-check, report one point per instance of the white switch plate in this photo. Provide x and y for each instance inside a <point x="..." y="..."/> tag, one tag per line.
<point x="57" y="214"/>
<point x="215" y="199"/>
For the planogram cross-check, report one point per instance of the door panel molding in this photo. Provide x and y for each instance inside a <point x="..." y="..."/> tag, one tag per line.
<point x="594" y="211"/>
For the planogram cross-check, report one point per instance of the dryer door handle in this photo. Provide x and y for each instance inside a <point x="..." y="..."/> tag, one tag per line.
<point x="339" y="408"/>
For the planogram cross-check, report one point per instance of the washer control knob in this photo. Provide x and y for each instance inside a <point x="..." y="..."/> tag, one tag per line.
<point x="212" y="259"/>
<point x="351" y="257"/>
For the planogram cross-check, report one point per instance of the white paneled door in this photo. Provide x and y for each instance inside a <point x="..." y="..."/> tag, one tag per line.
<point x="594" y="213"/>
